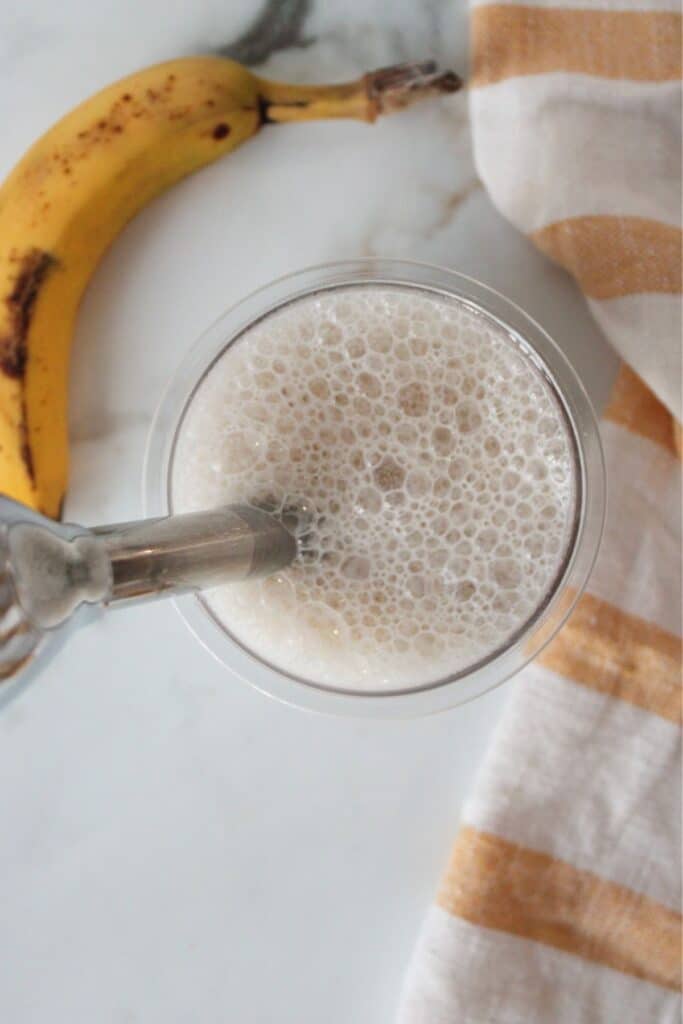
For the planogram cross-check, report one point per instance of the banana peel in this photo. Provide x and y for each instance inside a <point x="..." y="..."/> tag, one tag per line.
<point x="77" y="187"/>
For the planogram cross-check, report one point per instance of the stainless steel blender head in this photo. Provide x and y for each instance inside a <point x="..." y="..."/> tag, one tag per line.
<point x="49" y="569"/>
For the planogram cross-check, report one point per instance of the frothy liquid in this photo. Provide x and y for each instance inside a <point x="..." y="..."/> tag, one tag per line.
<point x="437" y="463"/>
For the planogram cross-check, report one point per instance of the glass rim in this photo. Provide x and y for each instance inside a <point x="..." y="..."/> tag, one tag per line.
<point x="589" y="509"/>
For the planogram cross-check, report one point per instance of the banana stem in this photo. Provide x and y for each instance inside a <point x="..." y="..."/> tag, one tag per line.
<point x="378" y="92"/>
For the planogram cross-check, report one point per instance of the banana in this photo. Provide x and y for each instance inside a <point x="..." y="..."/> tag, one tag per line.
<point x="77" y="187"/>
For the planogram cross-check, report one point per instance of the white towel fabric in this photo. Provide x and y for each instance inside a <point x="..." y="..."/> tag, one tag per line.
<point x="561" y="902"/>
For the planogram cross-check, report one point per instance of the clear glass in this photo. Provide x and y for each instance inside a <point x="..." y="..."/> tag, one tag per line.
<point x="590" y="487"/>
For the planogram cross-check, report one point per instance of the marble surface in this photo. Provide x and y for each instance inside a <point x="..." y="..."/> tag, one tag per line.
<point x="175" y="846"/>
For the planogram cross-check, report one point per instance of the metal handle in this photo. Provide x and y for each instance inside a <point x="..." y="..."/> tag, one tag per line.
<point x="194" y="551"/>
<point x="48" y="569"/>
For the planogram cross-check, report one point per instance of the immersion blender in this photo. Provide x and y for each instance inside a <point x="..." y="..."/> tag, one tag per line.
<point x="49" y="569"/>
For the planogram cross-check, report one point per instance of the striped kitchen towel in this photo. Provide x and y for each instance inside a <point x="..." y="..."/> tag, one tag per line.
<point x="562" y="900"/>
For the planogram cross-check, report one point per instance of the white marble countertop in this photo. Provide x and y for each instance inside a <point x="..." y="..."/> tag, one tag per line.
<point x="175" y="846"/>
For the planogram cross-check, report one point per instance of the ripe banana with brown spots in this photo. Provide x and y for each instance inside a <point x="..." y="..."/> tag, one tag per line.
<point x="78" y="186"/>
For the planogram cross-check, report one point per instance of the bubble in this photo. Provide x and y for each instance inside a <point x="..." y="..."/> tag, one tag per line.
<point x="506" y="572"/>
<point x="428" y="644"/>
<point x="265" y="380"/>
<point x="487" y="538"/>
<point x="324" y="622"/>
<point x="468" y="416"/>
<point x="459" y="566"/>
<point x="395" y="499"/>
<point x="355" y="347"/>
<point x="257" y="411"/>
<point x="418" y="483"/>
<point x="538" y="469"/>
<point x="380" y="339"/>
<point x="457" y="469"/>
<point x="413" y="399"/>
<point x="534" y="545"/>
<point x="389" y="474"/>
<point x="277" y="594"/>
<point x="320" y="388"/>
<point x="407" y="434"/>
<point x="437" y="558"/>
<point x="356" y="568"/>
<point x="369" y="385"/>
<point x="505" y="602"/>
<point x="439" y="525"/>
<point x="369" y="501"/>
<point x="275" y="451"/>
<point x="241" y="449"/>
<point x="330" y="335"/>
<point x="443" y="440"/>
<point x="554" y="545"/>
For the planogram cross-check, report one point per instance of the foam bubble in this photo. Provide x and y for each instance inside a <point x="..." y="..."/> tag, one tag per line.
<point x="435" y="468"/>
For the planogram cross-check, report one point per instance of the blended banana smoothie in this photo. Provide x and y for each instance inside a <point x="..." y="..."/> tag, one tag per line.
<point x="437" y="466"/>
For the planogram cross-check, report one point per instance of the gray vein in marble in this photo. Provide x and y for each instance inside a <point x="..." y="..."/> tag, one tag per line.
<point x="279" y="26"/>
<point x="450" y="207"/>
<point x="337" y="43"/>
<point x="427" y="37"/>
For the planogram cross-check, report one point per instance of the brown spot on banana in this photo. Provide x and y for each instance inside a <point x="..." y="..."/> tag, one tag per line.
<point x="32" y="269"/>
<point x="33" y="266"/>
<point x="25" y="449"/>
<point x="221" y="131"/>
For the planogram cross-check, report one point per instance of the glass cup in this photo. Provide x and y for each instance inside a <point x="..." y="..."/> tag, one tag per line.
<point x="571" y="578"/>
